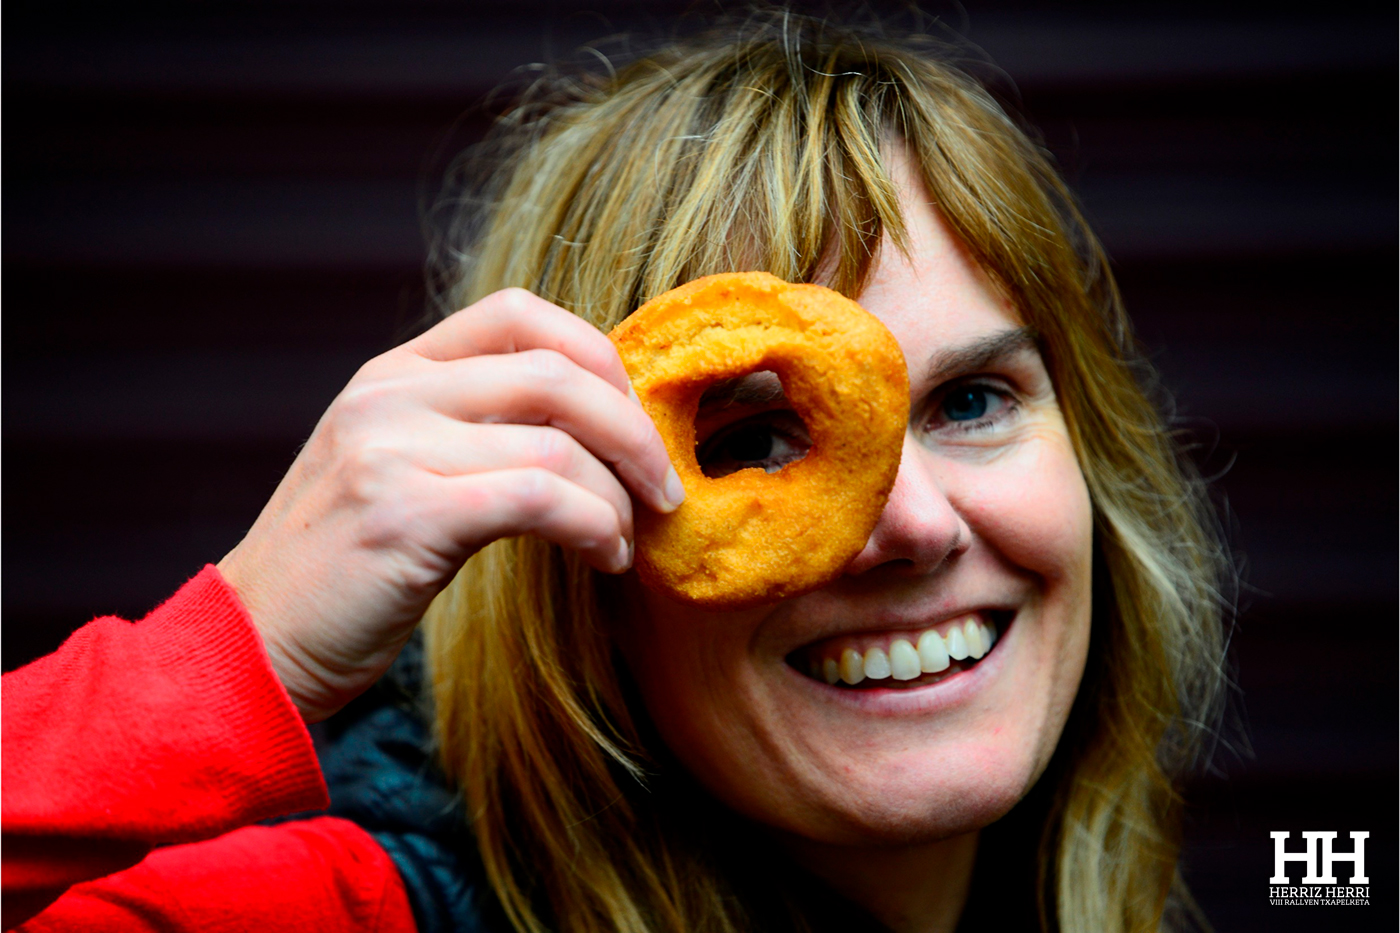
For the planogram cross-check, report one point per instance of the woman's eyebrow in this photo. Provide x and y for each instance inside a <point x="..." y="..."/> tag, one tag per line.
<point x="980" y="353"/>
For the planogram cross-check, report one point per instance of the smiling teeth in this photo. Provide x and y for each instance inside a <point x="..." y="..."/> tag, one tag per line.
<point x="932" y="653"/>
<point x="957" y="644"/>
<point x="877" y="664"/>
<point x="904" y="660"/>
<point x="831" y="670"/>
<point x="852" y="667"/>
<point x="976" y="647"/>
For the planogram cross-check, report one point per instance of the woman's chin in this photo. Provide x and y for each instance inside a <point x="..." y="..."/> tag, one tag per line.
<point x="899" y="800"/>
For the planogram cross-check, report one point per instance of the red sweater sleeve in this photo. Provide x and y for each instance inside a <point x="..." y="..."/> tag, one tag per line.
<point x="324" y="874"/>
<point x="174" y="730"/>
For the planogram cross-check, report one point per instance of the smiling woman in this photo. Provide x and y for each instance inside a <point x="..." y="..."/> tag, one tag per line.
<point x="977" y="724"/>
<point x="989" y="526"/>
<point x="1036" y="606"/>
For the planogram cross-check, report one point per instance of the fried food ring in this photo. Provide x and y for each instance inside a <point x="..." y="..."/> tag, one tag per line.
<point x="753" y="537"/>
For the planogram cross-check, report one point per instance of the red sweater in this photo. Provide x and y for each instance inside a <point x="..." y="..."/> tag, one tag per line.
<point x="175" y="732"/>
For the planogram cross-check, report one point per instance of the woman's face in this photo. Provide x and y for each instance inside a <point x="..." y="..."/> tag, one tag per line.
<point x="989" y="521"/>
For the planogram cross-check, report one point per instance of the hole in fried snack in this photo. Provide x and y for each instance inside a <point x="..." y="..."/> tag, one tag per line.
<point x="748" y="423"/>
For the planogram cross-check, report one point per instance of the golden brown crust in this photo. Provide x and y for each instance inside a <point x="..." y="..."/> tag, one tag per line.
<point x="753" y="537"/>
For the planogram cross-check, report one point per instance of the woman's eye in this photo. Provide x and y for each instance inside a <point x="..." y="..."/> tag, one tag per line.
<point x="769" y="441"/>
<point x="966" y="404"/>
<point x="973" y="406"/>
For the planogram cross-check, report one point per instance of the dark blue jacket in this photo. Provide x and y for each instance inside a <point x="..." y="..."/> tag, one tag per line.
<point x="376" y="755"/>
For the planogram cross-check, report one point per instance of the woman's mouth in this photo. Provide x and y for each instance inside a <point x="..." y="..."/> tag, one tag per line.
<point x="902" y="660"/>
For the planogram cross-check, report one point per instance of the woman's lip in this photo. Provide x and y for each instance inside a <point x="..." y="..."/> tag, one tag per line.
<point x="863" y="636"/>
<point x="951" y="691"/>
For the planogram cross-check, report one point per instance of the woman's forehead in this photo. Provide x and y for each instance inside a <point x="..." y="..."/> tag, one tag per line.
<point x="934" y="297"/>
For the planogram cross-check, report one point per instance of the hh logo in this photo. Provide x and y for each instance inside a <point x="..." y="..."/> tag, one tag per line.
<point x="1311" y="857"/>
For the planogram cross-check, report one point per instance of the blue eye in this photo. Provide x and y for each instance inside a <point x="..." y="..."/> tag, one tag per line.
<point x="967" y="403"/>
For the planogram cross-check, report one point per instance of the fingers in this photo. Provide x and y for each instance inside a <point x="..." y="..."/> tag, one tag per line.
<point x="540" y="408"/>
<point x="514" y="320"/>
<point x="541" y="387"/>
<point x="515" y="357"/>
<point x="533" y="500"/>
<point x="452" y="448"/>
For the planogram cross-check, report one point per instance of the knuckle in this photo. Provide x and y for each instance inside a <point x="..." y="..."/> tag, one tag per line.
<point x="513" y="302"/>
<point x="363" y="399"/>
<point x="385" y="523"/>
<point x="366" y="473"/>
<point x="536" y="493"/>
<point x="379" y="367"/>
<point x="554" y="450"/>
<point x="546" y="368"/>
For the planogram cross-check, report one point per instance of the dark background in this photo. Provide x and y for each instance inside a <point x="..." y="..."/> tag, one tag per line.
<point x="212" y="217"/>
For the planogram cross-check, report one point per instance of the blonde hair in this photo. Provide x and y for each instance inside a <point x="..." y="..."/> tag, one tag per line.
<point x="760" y="147"/>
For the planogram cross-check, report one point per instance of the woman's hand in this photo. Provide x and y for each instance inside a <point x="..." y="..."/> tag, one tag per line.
<point x="512" y="416"/>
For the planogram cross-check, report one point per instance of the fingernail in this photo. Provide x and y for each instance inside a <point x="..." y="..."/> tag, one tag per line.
<point x="675" y="489"/>
<point x="623" y="558"/>
<point x="632" y="394"/>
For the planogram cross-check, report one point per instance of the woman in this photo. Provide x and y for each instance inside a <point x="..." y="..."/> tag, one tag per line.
<point x="631" y="763"/>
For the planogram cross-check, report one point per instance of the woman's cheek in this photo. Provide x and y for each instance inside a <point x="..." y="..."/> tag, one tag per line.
<point x="1031" y="506"/>
<point x="689" y="664"/>
<point x="1031" y="509"/>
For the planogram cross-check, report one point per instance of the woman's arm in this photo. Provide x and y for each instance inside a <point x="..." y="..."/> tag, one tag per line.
<point x="320" y="874"/>
<point x="511" y="417"/>
<point x="171" y="730"/>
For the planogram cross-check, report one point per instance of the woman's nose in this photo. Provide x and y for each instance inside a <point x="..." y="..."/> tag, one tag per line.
<point x="919" y="529"/>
